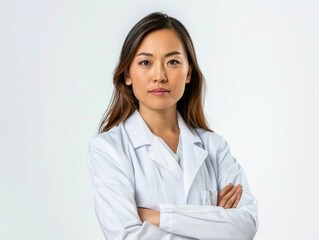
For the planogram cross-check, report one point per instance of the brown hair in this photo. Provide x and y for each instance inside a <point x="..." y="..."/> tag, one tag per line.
<point x="124" y="103"/>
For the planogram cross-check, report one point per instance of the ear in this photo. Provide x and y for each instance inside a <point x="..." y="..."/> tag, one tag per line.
<point x="128" y="80"/>
<point x="189" y="74"/>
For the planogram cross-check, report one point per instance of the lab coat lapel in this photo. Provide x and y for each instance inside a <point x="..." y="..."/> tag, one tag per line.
<point x="138" y="131"/>
<point x="160" y="155"/>
<point x="193" y="153"/>
<point x="140" y="135"/>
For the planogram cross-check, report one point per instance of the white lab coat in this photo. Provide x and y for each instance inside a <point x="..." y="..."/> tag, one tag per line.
<point x="131" y="168"/>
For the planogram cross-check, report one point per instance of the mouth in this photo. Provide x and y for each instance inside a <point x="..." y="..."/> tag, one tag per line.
<point x="159" y="91"/>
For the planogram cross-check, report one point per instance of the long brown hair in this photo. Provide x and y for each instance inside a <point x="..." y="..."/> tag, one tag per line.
<point x="124" y="103"/>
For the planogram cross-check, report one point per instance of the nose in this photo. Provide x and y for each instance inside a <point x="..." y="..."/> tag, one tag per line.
<point x="159" y="74"/>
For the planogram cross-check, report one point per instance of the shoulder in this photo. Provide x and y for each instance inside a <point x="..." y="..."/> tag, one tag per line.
<point x="111" y="145"/>
<point x="216" y="146"/>
<point x="105" y="138"/>
<point x="108" y="154"/>
<point x="211" y="141"/>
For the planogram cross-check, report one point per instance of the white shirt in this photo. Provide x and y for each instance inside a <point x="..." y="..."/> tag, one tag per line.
<point x="131" y="168"/>
<point x="177" y="156"/>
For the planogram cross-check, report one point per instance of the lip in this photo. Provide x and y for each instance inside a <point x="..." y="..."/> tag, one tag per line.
<point x="159" y="91"/>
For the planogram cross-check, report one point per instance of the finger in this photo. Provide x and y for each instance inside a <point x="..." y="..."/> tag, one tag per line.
<point x="237" y="200"/>
<point x="225" y="198"/>
<point x="224" y="191"/>
<point x="233" y="198"/>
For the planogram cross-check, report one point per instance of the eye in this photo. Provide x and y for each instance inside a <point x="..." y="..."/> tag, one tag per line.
<point x="145" y="63"/>
<point x="173" y="62"/>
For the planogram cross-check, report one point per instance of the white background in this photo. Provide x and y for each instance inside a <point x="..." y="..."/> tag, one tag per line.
<point x="260" y="60"/>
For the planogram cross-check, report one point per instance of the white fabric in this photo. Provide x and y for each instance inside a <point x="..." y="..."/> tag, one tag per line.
<point x="131" y="168"/>
<point x="176" y="155"/>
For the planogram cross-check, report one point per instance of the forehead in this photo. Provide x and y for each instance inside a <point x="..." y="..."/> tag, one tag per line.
<point x="161" y="41"/>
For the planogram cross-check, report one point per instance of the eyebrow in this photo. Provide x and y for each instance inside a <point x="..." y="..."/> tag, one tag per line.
<point x="166" y="55"/>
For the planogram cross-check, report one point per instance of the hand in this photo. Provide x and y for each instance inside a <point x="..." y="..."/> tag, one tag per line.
<point x="229" y="196"/>
<point x="149" y="215"/>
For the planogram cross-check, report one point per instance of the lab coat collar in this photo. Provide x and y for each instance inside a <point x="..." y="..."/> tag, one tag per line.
<point x="138" y="131"/>
<point x="193" y="152"/>
<point x="141" y="135"/>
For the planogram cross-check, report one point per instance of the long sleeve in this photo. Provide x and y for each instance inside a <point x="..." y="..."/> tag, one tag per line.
<point x="213" y="222"/>
<point x="113" y="190"/>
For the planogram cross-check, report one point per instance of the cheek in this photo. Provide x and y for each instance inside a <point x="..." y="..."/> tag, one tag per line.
<point x="180" y="74"/>
<point x="179" y="89"/>
<point x="136" y="75"/>
<point x="139" y="77"/>
<point x="179" y="79"/>
<point x="137" y="89"/>
<point x="139" y="84"/>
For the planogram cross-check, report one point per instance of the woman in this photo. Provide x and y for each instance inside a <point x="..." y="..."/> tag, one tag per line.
<point x="158" y="171"/>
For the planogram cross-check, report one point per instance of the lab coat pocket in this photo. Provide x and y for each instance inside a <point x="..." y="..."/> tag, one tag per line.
<point x="209" y="197"/>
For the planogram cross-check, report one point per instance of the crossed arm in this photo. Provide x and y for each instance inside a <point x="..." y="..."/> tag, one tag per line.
<point x="120" y="219"/>
<point x="228" y="197"/>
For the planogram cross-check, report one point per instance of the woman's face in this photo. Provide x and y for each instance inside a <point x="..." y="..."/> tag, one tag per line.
<point x="159" y="71"/>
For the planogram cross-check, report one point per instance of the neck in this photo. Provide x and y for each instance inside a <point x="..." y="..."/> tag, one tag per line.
<point x="162" y="121"/>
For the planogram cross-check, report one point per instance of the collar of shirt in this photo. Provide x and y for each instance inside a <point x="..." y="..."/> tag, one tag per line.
<point x="193" y="152"/>
<point x="141" y="135"/>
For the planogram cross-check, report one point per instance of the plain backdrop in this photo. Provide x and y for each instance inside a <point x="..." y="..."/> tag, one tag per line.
<point x="260" y="60"/>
